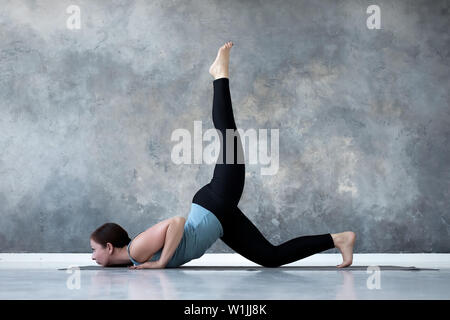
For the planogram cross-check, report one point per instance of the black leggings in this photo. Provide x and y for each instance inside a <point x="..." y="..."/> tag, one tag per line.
<point x="221" y="196"/>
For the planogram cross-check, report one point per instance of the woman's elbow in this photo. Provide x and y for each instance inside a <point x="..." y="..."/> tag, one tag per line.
<point x="180" y="219"/>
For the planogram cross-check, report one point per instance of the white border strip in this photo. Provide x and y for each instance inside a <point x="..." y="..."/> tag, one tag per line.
<point x="63" y="260"/>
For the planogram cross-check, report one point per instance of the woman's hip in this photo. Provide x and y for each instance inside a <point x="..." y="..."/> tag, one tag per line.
<point x="206" y="198"/>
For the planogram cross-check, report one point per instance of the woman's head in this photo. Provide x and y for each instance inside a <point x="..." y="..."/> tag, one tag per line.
<point x="104" y="239"/>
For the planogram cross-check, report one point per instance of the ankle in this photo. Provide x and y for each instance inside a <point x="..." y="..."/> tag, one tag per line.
<point x="221" y="75"/>
<point x="335" y="237"/>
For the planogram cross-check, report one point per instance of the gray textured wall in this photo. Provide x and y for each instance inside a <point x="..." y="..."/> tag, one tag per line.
<point x="86" y="117"/>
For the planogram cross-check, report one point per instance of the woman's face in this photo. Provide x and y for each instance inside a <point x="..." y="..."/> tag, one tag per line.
<point x="99" y="253"/>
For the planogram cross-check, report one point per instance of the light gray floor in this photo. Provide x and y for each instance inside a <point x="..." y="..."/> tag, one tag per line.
<point x="223" y="284"/>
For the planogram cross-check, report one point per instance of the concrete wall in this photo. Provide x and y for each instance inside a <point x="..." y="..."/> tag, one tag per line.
<point x="86" y="117"/>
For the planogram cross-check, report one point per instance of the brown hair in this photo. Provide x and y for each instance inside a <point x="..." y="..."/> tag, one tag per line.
<point x="112" y="233"/>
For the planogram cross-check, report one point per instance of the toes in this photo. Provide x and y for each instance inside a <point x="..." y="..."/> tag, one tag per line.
<point x="344" y="264"/>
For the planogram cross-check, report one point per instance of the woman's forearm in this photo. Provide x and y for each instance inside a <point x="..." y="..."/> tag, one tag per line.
<point x="174" y="234"/>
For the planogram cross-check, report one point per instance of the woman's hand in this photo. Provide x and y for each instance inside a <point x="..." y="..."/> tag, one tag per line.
<point x="148" y="265"/>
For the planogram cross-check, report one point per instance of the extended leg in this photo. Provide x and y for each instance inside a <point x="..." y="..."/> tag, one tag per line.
<point x="242" y="236"/>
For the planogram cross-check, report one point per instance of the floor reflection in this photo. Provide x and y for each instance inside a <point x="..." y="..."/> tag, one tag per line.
<point x="265" y="283"/>
<point x="347" y="290"/>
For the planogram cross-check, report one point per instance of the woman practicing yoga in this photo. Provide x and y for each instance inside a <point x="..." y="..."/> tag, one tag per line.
<point x="214" y="212"/>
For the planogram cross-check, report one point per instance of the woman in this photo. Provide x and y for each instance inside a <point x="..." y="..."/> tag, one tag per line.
<point x="214" y="212"/>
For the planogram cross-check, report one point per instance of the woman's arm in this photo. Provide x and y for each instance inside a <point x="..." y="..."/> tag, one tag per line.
<point x="146" y="244"/>
<point x="174" y="235"/>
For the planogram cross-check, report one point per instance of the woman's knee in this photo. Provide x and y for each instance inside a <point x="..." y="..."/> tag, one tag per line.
<point x="271" y="263"/>
<point x="270" y="259"/>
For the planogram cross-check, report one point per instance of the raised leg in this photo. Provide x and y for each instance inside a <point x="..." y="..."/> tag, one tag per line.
<point x="229" y="173"/>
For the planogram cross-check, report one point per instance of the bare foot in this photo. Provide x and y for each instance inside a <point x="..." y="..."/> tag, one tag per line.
<point x="345" y="241"/>
<point x="219" y="68"/>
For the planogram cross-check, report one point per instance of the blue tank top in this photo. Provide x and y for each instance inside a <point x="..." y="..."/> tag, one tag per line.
<point x="201" y="230"/>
